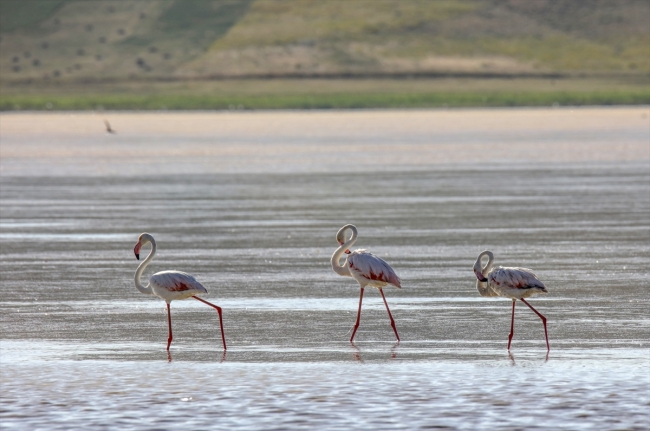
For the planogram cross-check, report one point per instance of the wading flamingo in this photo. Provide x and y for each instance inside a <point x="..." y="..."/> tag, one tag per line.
<point x="513" y="283"/>
<point x="169" y="285"/>
<point x="366" y="268"/>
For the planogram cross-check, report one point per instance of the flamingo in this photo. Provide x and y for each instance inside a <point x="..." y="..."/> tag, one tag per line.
<point x="366" y="268"/>
<point x="513" y="283"/>
<point x="170" y="285"/>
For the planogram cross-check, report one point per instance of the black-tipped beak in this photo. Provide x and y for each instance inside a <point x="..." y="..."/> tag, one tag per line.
<point x="480" y="276"/>
<point x="347" y="251"/>
<point x="136" y="250"/>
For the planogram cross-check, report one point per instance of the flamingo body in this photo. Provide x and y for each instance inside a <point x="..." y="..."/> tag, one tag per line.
<point x="366" y="268"/>
<point x="514" y="283"/>
<point x="370" y="270"/>
<point x="171" y="285"/>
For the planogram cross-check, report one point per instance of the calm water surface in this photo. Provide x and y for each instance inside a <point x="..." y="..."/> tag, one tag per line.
<point x="250" y="204"/>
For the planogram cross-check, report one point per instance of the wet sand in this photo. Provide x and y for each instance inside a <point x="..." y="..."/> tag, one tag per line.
<point x="250" y="202"/>
<point x="316" y="141"/>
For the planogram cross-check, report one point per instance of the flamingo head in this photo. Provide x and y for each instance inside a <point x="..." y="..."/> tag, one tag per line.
<point x="143" y="239"/>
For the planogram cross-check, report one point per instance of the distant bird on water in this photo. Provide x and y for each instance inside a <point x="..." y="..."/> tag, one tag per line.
<point x="366" y="268"/>
<point x="513" y="283"/>
<point x="108" y="128"/>
<point x="170" y="285"/>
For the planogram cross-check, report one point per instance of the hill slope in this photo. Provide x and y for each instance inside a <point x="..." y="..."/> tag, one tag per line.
<point x="77" y="40"/>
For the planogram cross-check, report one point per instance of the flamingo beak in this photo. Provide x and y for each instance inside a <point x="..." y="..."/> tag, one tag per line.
<point x="136" y="250"/>
<point x="480" y="277"/>
<point x="347" y="251"/>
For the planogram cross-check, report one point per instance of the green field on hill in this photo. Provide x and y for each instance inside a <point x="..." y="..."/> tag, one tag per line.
<point x="329" y="94"/>
<point x="265" y="54"/>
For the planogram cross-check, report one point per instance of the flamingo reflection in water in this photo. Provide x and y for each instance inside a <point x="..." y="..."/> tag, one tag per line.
<point x="170" y="285"/>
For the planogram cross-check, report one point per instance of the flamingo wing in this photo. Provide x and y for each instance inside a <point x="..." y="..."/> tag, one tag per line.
<point x="515" y="278"/>
<point x="176" y="281"/>
<point x="372" y="268"/>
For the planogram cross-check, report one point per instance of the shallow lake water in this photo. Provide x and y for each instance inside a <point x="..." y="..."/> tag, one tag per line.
<point x="250" y="204"/>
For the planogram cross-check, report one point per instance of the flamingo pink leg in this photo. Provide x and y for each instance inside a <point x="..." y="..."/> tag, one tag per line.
<point x="169" y="320"/>
<point x="548" y="347"/>
<point x="356" y="325"/>
<point x="392" y="322"/>
<point x="223" y="336"/>
<point x="512" y="324"/>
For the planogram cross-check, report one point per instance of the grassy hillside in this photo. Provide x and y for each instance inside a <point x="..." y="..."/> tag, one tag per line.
<point x="463" y="37"/>
<point x="86" y="48"/>
<point x="108" y="39"/>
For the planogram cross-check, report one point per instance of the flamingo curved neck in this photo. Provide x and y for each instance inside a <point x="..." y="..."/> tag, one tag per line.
<point x="140" y="270"/>
<point x="336" y="257"/>
<point x="482" y="287"/>
<point x="488" y="266"/>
